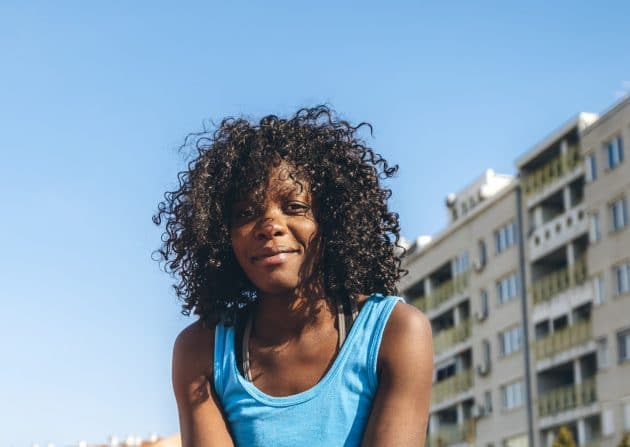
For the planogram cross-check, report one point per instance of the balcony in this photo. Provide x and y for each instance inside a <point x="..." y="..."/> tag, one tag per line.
<point x="442" y="293"/>
<point x="566" y="398"/>
<point x="551" y="171"/>
<point x="558" y="231"/>
<point x="453" y="385"/>
<point x="450" y="337"/>
<point x="453" y="434"/>
<point x="548" y="286"/>
<point x="562" y="340"/>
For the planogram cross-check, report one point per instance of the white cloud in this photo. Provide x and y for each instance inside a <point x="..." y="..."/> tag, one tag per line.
<point x="621" y="94"/>
<point x="625" y="85"/>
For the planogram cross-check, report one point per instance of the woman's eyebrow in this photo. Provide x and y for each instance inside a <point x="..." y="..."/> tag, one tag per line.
<point x="299" y="187"/>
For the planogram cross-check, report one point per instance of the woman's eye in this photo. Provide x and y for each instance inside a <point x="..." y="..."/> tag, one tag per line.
<point x="298" y="207"/>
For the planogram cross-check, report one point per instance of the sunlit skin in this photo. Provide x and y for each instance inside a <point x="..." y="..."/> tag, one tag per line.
<point x="275" y="243"/>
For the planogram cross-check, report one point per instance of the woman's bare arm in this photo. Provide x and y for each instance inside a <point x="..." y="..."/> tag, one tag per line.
<point x="201" y="421"/>
<point x="405" y="368"/>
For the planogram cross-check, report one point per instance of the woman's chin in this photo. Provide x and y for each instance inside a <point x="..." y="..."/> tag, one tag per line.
<point x="278" y="286"/>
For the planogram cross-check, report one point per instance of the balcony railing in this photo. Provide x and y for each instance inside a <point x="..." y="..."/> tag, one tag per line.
<point x="552" y="170"/>
<point x="548" y="286"/>
<point x="453" y="385"/>
<point x="450" y="337"/>
<point x="442" y="293"/>
<point x="453" y="434"/>
<point x="567" y="397"/>
<point x="563" y="339"/>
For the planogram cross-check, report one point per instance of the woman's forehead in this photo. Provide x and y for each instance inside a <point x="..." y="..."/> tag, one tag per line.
<point x="282" y="180"/>
<point x="286" y="179"/>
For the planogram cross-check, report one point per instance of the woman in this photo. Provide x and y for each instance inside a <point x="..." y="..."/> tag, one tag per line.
<point x="283" y="245"/>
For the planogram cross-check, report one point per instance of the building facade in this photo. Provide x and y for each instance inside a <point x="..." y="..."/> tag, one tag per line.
<point x="607" y="197"/>
<point x="466" y="281"/>
<point x="559" y="297"/>
<point x="528" y="294"/>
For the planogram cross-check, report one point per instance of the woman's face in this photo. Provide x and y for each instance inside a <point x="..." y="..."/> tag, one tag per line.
<point x="274" y="241"/>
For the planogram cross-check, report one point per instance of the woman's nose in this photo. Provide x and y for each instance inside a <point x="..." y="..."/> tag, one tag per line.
<point x="268" y="228"/>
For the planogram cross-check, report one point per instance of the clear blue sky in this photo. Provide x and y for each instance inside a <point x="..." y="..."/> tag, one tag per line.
<point x="95" y="99"/>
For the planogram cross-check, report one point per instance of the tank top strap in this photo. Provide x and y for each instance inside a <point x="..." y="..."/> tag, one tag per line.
<point x="377" y="309"/>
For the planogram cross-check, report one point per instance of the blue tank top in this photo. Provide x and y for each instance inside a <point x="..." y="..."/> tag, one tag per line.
<point x="334" y="412"/>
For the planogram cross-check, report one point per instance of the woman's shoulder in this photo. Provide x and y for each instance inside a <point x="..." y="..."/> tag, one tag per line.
<point x="407" y="329"/>
<point x="193" y="349"/>
<point x="201" y="420"/>
<point x="406" y="319"/>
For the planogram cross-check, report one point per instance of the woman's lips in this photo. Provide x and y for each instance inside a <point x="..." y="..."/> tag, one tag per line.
<point x="276" y="259"/>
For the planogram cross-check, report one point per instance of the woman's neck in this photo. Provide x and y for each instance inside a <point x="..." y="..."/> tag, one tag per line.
<point x="280" y="318"/>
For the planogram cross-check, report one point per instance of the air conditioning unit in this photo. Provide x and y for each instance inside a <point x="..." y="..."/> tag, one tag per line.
<point x="483" y="369"/>
<point x="479" y="411"/>
<point x="478" y="265"/>
<point x="481" y="315"/>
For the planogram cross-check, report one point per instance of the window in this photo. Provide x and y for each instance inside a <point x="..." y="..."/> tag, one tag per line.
<point x="623" y="344"/>
<point x="602" y="353"/>
<point x="511" y="340"/>
<point x="608" y="422"/>
<point x="461" y="264"/>
<point x="483" y="297"/>
<point x="598" y="289"/>
<point x="595" y="231"/>
<point x="513" y="395"/>
<point x="622" y="278"/>
<point x="614" y="152"/>
<point x="487" y="354"/>
<point x="507" y="288"/>
<point x="487" y="401"/>
<point x="618" y="214"/>
<point x="504" y="237"/>
<point x="483" y="254"/>
<point x="626" y="415"/>
<point x="484" y="368"/>
<point x="591" y="168"/>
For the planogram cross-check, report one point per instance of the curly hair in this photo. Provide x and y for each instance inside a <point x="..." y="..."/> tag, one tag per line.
<point x="360" y="251"/>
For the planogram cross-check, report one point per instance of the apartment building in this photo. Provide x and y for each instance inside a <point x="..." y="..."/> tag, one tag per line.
<point x="559" y="296"/>
<point x="465" y="279"/>
<point x="607" y="197"/>
<point x="528" y="293"/>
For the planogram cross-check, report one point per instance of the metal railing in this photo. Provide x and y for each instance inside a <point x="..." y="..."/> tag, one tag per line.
<point x="450" y="337"/>
<point x="548" y="286"/>
<point x="452" y="434"/>
<point x="563" y="339"/>
<point x="552" y="170"/>
<point x="453" y="385"/>
<point x="442" y="293"/>
<point x="567" y="397"/>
